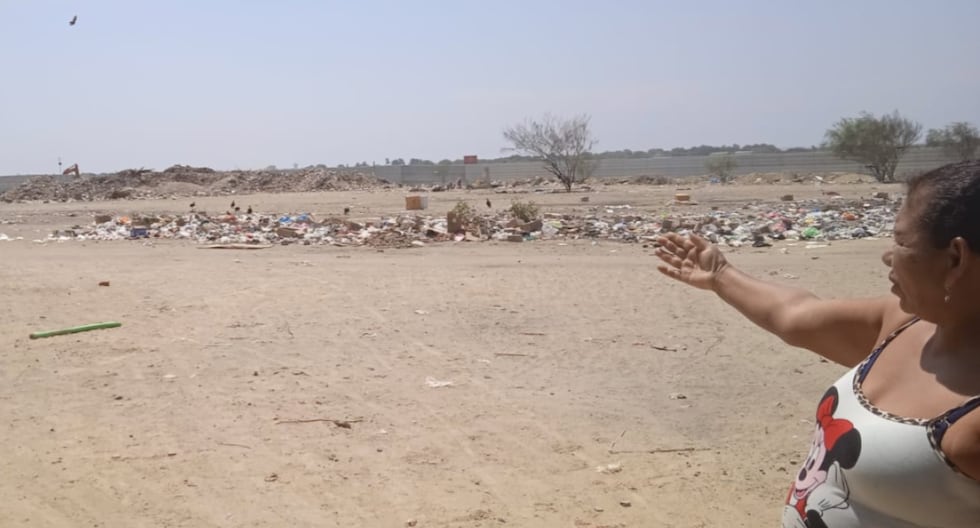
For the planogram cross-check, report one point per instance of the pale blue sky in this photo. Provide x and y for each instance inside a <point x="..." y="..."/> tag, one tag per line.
<point x="248" y="83"/>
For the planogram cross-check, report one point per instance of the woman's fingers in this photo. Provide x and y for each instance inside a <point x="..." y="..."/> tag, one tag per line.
<point x="670" y="246"/>
<point x="681" y="257"/>
<point x="669" y="258"/>
<point x="682" y="246"/>
<point x="671" y="240"/>
<point x="699" y="242"/>
<point x="673" y="273"/>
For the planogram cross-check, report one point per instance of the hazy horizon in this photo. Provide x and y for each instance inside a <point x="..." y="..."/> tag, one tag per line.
<point x="250" y="84"/>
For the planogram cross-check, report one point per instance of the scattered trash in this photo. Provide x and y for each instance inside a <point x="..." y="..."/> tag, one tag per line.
<point x="416" y="203"/>
<point x="75" y="329"/>
<point x="810" y="232"/>
<point x="677" y="396"/>
<point x="104" y="284"/>
<point x="437" y="384"/>
<point x="756" y="225"/>
<point x="625" y="503"/>
<point x="610" y="469"/>
<point x="272" y="478"/>
<point x="421" y="312"/>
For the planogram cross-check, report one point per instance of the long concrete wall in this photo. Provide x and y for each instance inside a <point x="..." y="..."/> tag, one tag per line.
<point x="669" y="166"/>
<point x="916" y="160"/>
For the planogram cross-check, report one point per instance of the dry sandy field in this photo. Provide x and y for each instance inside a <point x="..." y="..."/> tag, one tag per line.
<point x="309" y="385"/>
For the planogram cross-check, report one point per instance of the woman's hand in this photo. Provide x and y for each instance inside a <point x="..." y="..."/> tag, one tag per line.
<point x="691" y="259"/>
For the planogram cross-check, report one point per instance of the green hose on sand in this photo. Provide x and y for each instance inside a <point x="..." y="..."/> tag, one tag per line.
<point x="76" y="329"/>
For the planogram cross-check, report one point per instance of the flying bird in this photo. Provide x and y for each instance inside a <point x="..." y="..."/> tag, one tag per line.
<point x="489" y="205"/>
<point x="73" y="20"/>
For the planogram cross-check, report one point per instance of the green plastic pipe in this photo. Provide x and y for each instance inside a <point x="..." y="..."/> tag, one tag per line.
<point x="76" y="329"/>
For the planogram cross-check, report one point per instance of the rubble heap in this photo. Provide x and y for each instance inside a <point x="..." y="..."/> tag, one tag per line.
<point x="757" y="225"/>
<point x="181" y="180"/>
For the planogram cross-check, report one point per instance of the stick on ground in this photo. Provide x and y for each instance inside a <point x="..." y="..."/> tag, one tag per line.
<point x="345" y="424"/>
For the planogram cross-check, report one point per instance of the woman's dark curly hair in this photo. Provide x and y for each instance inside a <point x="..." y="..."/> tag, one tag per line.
<point x="948" y="202"/>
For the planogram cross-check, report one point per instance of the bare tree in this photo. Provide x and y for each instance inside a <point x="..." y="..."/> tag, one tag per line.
<point x="564" y="145"/>
<point x="876" y="142"/>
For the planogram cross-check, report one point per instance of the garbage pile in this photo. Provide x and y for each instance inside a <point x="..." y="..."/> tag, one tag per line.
<point x="181" y="180"/>
<point x="757" y="225"/>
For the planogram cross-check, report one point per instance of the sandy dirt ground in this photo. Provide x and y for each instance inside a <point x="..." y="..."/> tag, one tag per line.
<point x="564" y="357"/>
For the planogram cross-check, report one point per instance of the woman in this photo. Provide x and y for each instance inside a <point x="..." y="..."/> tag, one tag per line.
<point x="897" y="440"/>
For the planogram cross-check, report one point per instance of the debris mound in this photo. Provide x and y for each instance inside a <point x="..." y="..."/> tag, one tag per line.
<point x="183" y="180"/>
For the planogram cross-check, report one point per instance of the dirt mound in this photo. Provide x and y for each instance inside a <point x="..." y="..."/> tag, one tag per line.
<point x="182" y="180"/>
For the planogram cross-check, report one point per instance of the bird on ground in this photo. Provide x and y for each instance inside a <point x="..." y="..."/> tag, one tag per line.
<point x="73" y="20"/>
<point x="346" y="210"/>
<point x="233" y="203"/>
<point x="238" y="209"/>
<point x="193" y="204"/>
<point x="249" y="211"/>
<point x="489" y="205"/>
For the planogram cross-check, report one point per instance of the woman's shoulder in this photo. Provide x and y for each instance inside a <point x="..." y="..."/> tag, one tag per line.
<point x="894" y="319"/>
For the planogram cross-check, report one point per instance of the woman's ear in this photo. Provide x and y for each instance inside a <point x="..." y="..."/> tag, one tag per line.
<point x="959" y="259"/>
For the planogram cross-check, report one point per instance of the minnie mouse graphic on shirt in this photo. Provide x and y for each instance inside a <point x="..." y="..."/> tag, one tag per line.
<point x="820" y="491"/>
